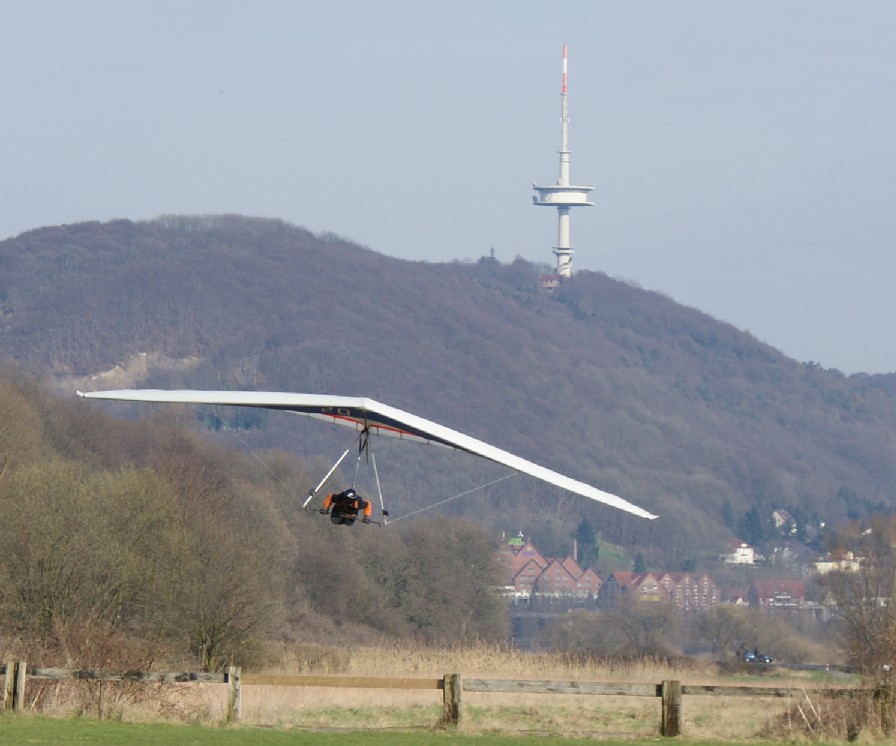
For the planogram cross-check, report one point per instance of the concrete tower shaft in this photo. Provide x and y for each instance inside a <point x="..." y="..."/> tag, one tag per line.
<point x="563" y="195"/>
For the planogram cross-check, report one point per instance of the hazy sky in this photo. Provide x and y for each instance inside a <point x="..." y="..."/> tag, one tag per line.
<point x="743" y="153"/>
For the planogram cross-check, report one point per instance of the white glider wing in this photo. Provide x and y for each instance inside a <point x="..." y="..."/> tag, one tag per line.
<point x="380" y="419"/>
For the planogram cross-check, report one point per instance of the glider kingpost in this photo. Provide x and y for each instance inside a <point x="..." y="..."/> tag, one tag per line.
<point x="374" y="418"/>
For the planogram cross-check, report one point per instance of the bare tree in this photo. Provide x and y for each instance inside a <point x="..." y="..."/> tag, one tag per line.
<point x="864" y="599"/>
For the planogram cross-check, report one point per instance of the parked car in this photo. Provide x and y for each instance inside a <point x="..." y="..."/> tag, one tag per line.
<point x="754" y="656"/>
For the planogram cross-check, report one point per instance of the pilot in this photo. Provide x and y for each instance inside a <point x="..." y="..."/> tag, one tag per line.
<point x="344" y="507"/>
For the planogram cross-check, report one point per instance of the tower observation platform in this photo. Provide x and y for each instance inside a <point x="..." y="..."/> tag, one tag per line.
<point x="563" y="195"/>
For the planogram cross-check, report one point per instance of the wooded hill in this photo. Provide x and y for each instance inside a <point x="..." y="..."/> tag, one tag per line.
<point x="623" y="388"/>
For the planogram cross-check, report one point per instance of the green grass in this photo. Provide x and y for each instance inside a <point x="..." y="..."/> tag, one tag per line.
<point x="611" y="556"/>
<point x="39" y="730"/>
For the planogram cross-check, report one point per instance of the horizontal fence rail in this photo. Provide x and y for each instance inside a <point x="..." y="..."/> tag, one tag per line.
<point x="452" y="685"/>
<point x="506" y="686"/>
<point x="773" y="691"/>
<point x="343" y="682"/>
<point x="88" y="674"/>
<point x="15" y="674"/>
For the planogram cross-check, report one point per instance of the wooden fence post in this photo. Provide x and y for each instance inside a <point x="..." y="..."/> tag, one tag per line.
<point x="671" y="719"/>
<point x="18" y="691"/>
<point x="9" y="679"/>
<point x="451" y="697"/>
<point x="885" y="702"/>
<point x="234" y="693"/>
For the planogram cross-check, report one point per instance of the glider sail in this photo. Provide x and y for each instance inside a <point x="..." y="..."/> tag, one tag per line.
<point x="376" y="418"/>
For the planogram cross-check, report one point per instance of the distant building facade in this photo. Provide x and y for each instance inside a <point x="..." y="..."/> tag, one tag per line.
<point x="529" y="574"/>
<point x="844" y="562"/>
<point x="741" y="554"/>
<point x="688" y="592"/>
<point x="691" y="592"/>
<point x="777" y="596"/>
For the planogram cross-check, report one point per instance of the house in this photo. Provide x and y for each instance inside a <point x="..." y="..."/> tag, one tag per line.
<point x="614" y="587"/>
<point x="571" y="564"/>
<point x="588" y="584"/>
<point x="784" y="523"/>
<point x="777" y="596"/>
<point x="842" y="562"/>
<point x="642" y="586"/>
<point x="555" y="581"/>
<point x="515" y="557"/>
<point x="528" y="573"/>
<point x="741" y="554"/>
<point x="527" y="553"/>
<point x="690" y="592"/>
<point x="524" y="580"/>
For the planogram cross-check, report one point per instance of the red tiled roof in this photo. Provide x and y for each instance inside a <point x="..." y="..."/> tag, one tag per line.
<point x="768" y="588"/>
<point x="623" y="578"/>
<point x="575" y="569"/>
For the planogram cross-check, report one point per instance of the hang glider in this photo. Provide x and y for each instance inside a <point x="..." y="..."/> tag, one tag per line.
<point x="374" y="418"/>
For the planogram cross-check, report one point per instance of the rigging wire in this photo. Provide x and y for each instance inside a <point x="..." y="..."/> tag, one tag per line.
<point x="449" y="499"/>
<point x="261" y="460"/>
<point x="357" y="466"/>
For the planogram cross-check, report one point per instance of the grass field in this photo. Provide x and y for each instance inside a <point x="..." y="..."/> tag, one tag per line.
<point x="37" y="731"/>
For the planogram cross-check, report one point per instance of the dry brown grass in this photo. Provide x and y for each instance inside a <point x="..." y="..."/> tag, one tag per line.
<point x="865" y="719"/>
<point x="476" y="662"/>
<point x="704" y="717"/>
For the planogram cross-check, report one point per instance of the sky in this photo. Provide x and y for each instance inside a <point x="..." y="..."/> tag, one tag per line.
<point x="743" y="153"/>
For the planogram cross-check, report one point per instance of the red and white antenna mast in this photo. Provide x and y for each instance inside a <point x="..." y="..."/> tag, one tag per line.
<point x="563" y="195"/>
<point x="563" y="87"/>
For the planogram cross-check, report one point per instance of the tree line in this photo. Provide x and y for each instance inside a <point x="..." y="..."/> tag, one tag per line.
<point x="128" y="543"/>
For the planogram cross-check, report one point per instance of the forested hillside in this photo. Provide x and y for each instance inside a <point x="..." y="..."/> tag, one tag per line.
<point x="624" y="388"/>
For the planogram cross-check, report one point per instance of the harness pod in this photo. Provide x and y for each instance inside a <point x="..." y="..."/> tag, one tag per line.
<point x="364" y="449"/>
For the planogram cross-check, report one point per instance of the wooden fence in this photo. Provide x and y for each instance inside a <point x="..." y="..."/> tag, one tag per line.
<point x="452" y="685"/>
<point x="16" y="673"/>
